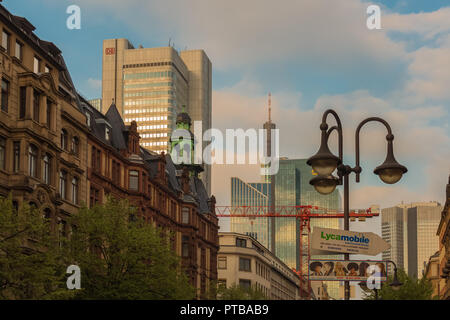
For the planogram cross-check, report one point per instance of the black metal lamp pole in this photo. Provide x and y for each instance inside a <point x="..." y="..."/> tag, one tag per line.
<point x="324" y="163"/>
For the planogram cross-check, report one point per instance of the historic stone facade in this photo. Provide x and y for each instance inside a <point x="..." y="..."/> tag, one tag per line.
<point x="42" y="130"/>
<point x="57" y="152"/>
<point x="175" y="200"/>
<point x="444" y="247"/>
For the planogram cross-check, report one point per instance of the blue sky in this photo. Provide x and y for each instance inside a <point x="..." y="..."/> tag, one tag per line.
<point x="309" y="54"/>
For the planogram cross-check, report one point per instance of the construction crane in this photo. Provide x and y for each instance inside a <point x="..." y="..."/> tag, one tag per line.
<point x="303" y="214"/>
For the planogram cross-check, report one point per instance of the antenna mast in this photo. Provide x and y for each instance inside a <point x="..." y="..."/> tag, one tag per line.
<point x="270" y="108"/>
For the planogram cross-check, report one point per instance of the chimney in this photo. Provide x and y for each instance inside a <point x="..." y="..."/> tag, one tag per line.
<point x="185" y="180"/>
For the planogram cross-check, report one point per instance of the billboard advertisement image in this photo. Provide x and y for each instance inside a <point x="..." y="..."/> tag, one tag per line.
<point x="352" y="270"/>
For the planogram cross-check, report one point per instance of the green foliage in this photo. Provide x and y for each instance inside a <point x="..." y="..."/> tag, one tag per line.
<point x="30" y="258"/>
<point x="236" y="292"/>
<point x="412" y="289"/>
<point x="122" y="257"/>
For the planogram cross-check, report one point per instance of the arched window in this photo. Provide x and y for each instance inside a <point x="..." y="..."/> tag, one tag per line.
<point x="63" y="184"/>
<point x="75" y="145"/>
<point x="47" y="169"/>
<point x="32" y="160"/>
<point x="64" y="136"/>
<point x="75" y="190"/>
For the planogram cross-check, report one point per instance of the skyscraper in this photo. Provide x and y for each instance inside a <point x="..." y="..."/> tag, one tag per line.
<point x="255" y="195"/>
<point x="411" y="231"/>
<point x="393" y="232"/>
<point x="292" y="188"/>
<point x="150" y="86"/>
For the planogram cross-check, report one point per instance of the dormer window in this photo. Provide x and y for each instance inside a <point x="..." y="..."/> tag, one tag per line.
<point x="107" y="134"/>
<point x="88" y="119"/>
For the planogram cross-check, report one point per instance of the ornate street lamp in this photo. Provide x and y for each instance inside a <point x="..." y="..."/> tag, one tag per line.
<point x="324" y="163"/>
<point x="395" y="284"/>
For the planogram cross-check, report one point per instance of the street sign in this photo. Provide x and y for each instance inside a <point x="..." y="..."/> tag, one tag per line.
<point x="341" y="241"/>
<point x="352" y="270"/>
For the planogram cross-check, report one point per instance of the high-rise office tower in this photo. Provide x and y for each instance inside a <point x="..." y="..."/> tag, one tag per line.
<point x="411" y="231"/>
<point x="255" y="195"/>
<point x="393" y="232"/>
<point x="150" y="86"/>
<point x="96" y="103"/>
<point x="292" y="188"/>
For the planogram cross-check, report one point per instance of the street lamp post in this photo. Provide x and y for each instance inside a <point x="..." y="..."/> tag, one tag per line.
<point x="324" y="162"/>
<point x="395" y="284"/>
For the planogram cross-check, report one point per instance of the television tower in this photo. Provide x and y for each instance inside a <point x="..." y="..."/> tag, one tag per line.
<point x="269" y="126"/>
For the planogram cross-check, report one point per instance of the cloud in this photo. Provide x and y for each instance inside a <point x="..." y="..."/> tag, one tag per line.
<point x="429" y="74"/>
<point x="244" y="34"/>
<point x="429" y="25"/>
<point x="94" y="83"/>
<point x="419" y="144"/>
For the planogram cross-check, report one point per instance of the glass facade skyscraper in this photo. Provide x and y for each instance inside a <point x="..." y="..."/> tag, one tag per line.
<point x="255" y="195"/>
<point x="151" y="86"/>
<point x="292" y="188"/>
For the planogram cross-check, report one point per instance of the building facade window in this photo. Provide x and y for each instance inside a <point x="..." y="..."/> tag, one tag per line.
<point x="36" y="64"/>
<point x="5" y="41"/>
<point x="75" y="190"/>
<point x="134" y="180"/>
<point x="63" y="184"/>
<point x="48" y="119"/>
<point x="16" y="156"/>
<point x="185" y="215"/>
<point x="47" y="170"/>
<point x="5" y="95"/>
<point x="22" y="102"/>
<point x="245" y="264"/>
<point x="241" y="243"/>
<point x="96" y="159"/>
<point x="245" y="283"/>
<point x="64" y="137"/>
<point x="222" y="262"/>
<point x="36" y="105"/>
<point x="185" y="246"/>
<point x="94" y="196"/>
<point x="18" y="50"/>
<point x="32" y="160"/>
<point x="75" y="146"/>
<point x="2" y="153"/>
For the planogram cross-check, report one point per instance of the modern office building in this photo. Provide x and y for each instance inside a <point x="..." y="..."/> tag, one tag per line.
<point x="292" y="188"/>
<point x="393" y="232"/>
<point x="411" y="231"/>
<point x="423" y="221"/>
<point x="254" y="195"/>
<point x="151" y="85"/>
<point x="244" y="261"/>
<point x="96" y="103"/>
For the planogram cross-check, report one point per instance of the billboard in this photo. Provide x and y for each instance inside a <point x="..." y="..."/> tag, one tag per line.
<point x="351" y="270"/>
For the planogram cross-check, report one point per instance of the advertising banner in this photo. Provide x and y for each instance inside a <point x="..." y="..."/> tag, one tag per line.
<point x="335" y="240"/>
<point x="352" y="270"/>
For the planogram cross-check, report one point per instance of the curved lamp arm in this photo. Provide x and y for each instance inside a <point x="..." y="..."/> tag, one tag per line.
<point x="324" y="127"/>
<point x="389" y="139"/>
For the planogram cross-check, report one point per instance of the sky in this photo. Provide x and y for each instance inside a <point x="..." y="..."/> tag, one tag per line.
<point x="311" y="55"/>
